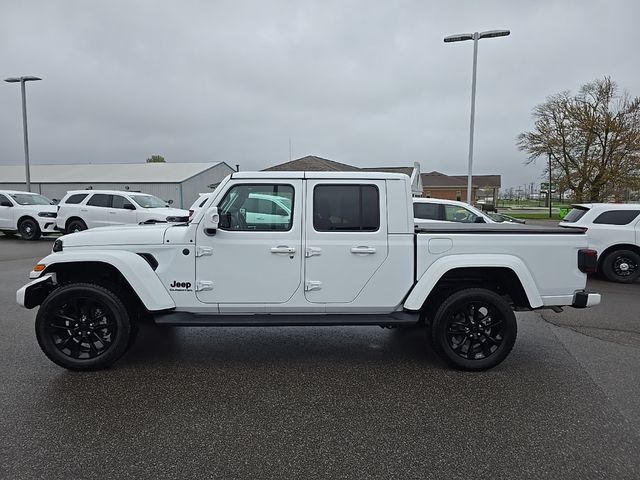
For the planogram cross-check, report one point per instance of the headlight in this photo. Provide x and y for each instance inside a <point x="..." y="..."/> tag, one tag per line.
<point x="47" y="214"/>
<point x="57" y="245"/>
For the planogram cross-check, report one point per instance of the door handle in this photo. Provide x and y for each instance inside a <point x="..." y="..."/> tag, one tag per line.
<point x="283" y="249"/>
<point x="364" y="250"/>
<point x="112" y="213"/>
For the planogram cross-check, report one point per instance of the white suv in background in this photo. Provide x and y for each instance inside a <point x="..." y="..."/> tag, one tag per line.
<point x="613" y="230"/>
<point x="429" y="210"/>
<point x="82" y="209"/>
<point x="30" y="214"/>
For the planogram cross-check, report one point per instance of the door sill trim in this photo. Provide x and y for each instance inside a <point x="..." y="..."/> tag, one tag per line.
<point x="279" y="320"/>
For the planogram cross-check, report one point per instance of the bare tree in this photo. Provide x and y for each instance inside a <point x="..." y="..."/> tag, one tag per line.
<point x="593" y="138"/>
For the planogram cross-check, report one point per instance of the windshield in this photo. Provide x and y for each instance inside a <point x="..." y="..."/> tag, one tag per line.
<point x="30" y="199"/>
<point x="149" y="201"/>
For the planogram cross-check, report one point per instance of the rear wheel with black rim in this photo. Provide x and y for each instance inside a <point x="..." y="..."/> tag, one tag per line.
<point x="76" y="225"/>
<point x="622" y="266"/>
<point x="29" y="229"/>
<point x="83" y="326"/>
<point x="474" y="329"/>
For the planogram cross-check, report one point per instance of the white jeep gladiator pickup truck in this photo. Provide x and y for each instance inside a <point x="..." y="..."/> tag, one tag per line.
<point x="348" y="254"/>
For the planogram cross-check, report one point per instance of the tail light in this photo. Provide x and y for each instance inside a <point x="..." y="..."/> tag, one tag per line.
<point x="587" y="260"/>
<point x="190" y="213"/>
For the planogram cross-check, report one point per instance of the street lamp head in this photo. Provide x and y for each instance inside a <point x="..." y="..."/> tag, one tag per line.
<point x="458" y="37"/>
<point x="494" y="33"/>
<point x="27" y="78"/>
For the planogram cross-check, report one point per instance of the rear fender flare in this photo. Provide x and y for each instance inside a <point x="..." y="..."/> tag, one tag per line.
<point x="440" y="267"/>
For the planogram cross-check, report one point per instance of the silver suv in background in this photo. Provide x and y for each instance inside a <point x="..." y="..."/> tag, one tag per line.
<point x="82" y="209"/>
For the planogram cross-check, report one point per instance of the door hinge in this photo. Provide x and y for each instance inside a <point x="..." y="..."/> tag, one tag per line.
<point x="312" y="251"/>
<point x="203" y="285"/>
<point x="312" y="285"/>
<point x="203" y="251"/>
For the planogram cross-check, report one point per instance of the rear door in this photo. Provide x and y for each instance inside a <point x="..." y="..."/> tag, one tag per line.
<point x="95" y="211"/>
<point x="345" y="238"/>
<point x="6" y="214"/>
<point x="119" y="214"/>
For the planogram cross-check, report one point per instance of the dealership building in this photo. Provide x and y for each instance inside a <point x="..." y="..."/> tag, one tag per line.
<point x="177" y="183"/>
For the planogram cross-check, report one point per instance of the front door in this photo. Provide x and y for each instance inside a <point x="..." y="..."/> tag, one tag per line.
<point x="122" y="211"/>
<point x="255" y="256"/>
<point x="346" y="238"/>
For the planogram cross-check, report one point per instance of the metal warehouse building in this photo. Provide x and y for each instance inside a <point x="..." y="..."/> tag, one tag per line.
<point x="179" y="182"/>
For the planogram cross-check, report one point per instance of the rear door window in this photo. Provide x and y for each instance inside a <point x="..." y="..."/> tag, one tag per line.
<point x="575" y="214"/>
<point x="428" y="211"/>
<point x="76" y="198"/>
<point x="100" y="200"/>
<point x="455" y="213"/>
<point x="346" y="208"/>
<point x="617" y="217"/>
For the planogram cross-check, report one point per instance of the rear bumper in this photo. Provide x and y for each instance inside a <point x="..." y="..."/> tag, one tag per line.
<point x="584" y="299"/>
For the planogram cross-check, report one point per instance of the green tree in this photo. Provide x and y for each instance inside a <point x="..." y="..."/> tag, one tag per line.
<point x="593" y="138"/>
<point x="156" y="159"/>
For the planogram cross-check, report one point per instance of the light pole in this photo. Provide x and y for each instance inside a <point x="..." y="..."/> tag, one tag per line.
<point x="460" y="37"/>
<point x="549" y="153"/>
<point x="22" y="81"/>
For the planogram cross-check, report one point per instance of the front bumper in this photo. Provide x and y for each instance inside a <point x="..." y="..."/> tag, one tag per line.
<point x="47" y="225"/>
<point x="584" y="299"/>
<point x="35" y="291"/>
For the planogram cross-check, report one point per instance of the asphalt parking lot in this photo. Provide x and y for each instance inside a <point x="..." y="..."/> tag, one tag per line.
<point x="348" y="402"/>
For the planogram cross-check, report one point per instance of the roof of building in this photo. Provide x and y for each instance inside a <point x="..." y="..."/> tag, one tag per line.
<point x="437" y="179"/>
<point x="311" y="163"/>
<point x="483" y="181"/>
<point x="406" y="170"/>
<point x="105" y="172"/>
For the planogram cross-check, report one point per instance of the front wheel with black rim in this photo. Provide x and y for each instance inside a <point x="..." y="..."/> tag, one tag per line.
<point x="474" y="329"/>
<point x="83" y="326"/>
<point x="29" y="229"/>
<point x="622" y="266"/>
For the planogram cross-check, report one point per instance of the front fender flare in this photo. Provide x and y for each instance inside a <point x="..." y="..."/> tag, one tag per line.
<point x="135" y="269"/>
<point x="440" y="267"/>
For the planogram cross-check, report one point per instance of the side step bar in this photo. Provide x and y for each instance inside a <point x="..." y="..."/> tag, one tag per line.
<point x="280" y="320"/>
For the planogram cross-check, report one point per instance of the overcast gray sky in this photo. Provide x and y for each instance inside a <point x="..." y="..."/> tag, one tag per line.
<point x="369" y="83"/>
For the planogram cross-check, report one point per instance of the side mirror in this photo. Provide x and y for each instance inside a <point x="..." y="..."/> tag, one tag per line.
<point x="211" y="221"/>
<point x="480" y="220"/>
<point x="129" y="206"/>
<point x="6" y="203"/>
<point x="170" y="202"/>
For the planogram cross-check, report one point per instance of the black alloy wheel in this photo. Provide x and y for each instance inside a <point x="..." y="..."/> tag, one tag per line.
<point x="76" y="225"/>
<point x="82" y="326"/>
<point x="29" y="229"/>
<point x="474" y="329"/>
<point x="622" y="266"/>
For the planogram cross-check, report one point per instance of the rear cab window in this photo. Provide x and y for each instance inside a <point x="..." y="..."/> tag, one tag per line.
<point x="575" y="214"/>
